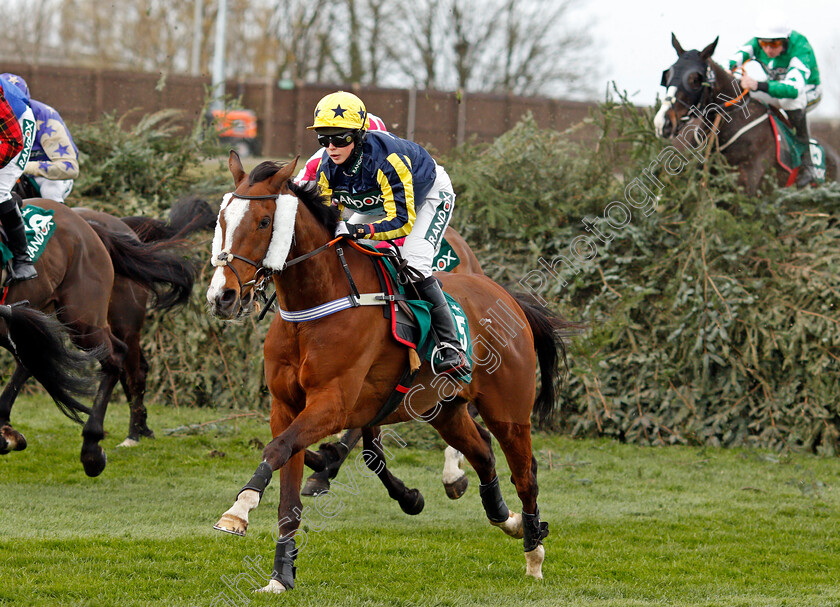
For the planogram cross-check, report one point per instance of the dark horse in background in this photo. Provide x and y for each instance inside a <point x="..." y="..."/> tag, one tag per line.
<point x="336" y="372"/>
<point x="76" y="277"/>
<point x="698" y="91"/>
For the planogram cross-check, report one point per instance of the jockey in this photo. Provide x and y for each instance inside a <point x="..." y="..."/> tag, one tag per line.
<point x="793" y="79"/>
<point x="396" y="189"/>
<point x="310" y="170"/>
<point x="10" y="216"/>
<point x="54" y="161"/>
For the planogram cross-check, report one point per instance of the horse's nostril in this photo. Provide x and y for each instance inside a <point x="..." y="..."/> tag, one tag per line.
<point x="227" y="297"/>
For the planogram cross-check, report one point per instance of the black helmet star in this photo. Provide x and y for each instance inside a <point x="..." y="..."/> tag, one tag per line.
<point x="339" y="111"/>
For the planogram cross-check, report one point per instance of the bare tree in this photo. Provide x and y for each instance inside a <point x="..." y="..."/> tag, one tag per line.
<point x="517" y="46"/>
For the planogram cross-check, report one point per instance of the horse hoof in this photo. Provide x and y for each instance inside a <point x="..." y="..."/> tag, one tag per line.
<point x="457" y="488"/>
<point x="315" y="486"/>
<point x="413" y="502"/>
<point x="274" y="587"/>
<point x="129" y="442"/>
<point x="94" y="460"/>
<point x="512" y="526"/>
<point x="11" y="440"/>
<point x="534" y="561"/>
<point x="230" y="523"/>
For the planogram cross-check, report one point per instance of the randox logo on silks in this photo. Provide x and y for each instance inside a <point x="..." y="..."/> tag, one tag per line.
<point x="441" y="219"/>
<point x="360" y="201"/>
<point x="28" y="128"/>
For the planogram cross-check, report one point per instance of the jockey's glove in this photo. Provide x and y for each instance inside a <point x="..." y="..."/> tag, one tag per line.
<point x="354" y="231"/>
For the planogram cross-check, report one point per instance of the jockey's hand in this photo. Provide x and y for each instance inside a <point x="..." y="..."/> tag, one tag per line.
<point x="341" y="229"/>
<point x="748" y="83"/>
<point x="352" y="230"/>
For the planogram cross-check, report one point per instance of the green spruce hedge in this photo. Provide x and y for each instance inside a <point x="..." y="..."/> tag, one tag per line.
<point x="713" y="317"/>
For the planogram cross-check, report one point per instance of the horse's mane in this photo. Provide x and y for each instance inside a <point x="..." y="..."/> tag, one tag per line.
<point x="309" y="194"/>
<point x="723" y="79"/>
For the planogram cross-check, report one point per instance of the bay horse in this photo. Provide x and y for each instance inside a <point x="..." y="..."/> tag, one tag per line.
<point x="329" y="457"/>
<point x="701" y="93"/>
<point x="169" y="286"/>
<point x="335" y="372"/>
<point x="75" y="280"/>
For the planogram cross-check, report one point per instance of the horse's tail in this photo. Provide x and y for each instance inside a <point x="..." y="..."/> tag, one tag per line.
<point x="156" y="266"/>
<point x="550" y="333"/>
<point x="39" y="345"/>
<point x="187" y="215"/>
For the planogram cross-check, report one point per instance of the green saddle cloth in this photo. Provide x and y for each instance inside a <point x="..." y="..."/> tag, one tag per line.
<point x="39" y="226"/>
<point x="421" y="310"/>
<point x="791" y="151"/>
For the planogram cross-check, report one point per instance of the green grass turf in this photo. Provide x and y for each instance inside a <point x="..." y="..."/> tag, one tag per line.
<point x="629" y="525"/>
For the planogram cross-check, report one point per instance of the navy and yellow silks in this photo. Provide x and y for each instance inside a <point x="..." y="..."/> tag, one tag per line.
<point x="392" y="177"/>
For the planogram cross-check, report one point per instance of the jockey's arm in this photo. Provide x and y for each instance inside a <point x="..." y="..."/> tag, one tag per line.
<point x="397" y="185"/>
<point x="789" y="88"/>
<point x="743" y="54"/>
<point x="61" y="162"/>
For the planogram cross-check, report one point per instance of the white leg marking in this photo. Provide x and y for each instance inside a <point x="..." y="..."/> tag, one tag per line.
<point x="129" y="442"/>
<point x="534" y="561"/>
<point x="512" y="526"/>
<point x="452" y="465"/>
<point x="235" y="520"/>
<point x="273" y="587"/>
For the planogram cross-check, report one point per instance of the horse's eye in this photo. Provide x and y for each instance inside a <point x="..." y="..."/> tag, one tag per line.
<point x="264" y="223"/>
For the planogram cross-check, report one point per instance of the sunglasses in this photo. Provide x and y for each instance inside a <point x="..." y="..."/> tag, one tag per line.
<point x="774" y="43"/>
<point x="342" y="140"/>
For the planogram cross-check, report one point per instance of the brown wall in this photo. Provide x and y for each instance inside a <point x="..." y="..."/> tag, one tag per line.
<point x="432" y="118"/>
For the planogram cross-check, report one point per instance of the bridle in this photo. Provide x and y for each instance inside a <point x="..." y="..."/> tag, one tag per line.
<point x="679" y="75"/>
<point x="263" y="274"/>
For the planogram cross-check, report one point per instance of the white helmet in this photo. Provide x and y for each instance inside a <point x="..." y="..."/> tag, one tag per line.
<point x="772" y="25"/>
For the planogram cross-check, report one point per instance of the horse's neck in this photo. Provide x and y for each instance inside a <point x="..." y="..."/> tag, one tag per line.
<point x="316" y="280"/>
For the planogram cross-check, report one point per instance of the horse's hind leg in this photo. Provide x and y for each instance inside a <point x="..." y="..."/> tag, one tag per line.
<point x="329" y="458"/>
<point x="460" y="431"/>
<point x="112" y="354"/>
<point x="410" y="500"/>
<point x="455" y="480"/>
<point x="11" y="439"/>
<point x="133" y="380"/>
<point x="515" y="441"/>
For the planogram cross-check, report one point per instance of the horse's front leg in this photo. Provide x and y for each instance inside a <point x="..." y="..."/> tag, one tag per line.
<point x="289" y="514"/>
<point x="291" y="435"/>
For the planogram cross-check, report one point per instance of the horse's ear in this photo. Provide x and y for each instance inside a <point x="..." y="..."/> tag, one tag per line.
<point x="282" y="177"/>
<point x="709" y="50"/>
<point x="235" y="166"/>
<point x="677" y="46"/>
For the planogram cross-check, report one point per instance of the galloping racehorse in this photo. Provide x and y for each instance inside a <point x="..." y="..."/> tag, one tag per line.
<point x="337" y="371"/>
<point x="128" y="309"/>
<point x="76" y="280"/>
<point x="701" y="93"/>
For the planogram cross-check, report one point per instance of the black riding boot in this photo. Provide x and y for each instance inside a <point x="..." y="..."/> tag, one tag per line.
<point x="454" y="359"/>
<point x="12" y="220"/>
<point x="799" y="122"/>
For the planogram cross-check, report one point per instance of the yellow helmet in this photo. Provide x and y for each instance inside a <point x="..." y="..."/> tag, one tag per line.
<point x="340" y="110"/>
